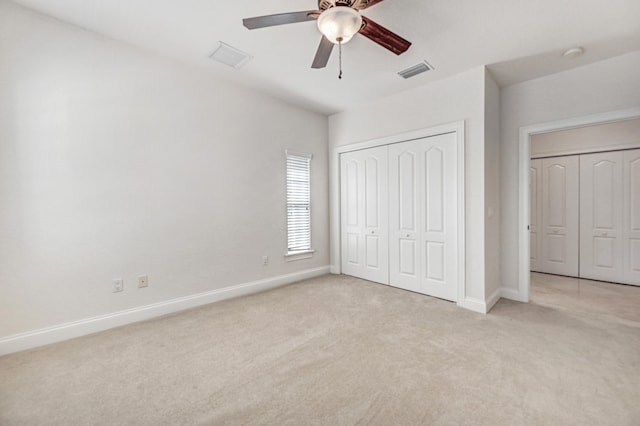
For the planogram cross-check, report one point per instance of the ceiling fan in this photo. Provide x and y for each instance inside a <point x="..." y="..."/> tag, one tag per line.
<point x="338" y="21"/>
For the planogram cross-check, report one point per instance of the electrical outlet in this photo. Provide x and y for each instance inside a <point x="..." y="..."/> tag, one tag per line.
<point x="118" y="285"/>
<point x="265" y="260"/>
<point x="143" y="281"/>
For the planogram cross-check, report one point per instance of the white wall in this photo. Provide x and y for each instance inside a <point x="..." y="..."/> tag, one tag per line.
<point x="596" y="88"/>
<point x="619" y="135"/>
<point x="115" y="163"/>
<point x="492" y="188"/>
<point x="460" y="97"/>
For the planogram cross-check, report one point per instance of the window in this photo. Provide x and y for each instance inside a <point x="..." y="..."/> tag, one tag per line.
<point x="298" y="203"/>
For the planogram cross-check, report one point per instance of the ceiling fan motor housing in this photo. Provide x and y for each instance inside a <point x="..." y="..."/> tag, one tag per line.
<point x="355" y="4"/>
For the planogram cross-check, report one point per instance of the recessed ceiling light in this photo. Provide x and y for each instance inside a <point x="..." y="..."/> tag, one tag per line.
<point x="573" y="52"/>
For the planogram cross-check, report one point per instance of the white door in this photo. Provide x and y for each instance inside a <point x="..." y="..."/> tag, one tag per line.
<point x="560" y="215"/>
<point x="535" y="191"/>
<point x="601" y="231"/>
<point x="631" y="217"/>
<point x="364" y="205"/>
<point x="423" y="216"/>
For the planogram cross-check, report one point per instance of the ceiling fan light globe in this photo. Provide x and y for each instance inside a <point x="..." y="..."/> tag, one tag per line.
<point x="339" y="24"/>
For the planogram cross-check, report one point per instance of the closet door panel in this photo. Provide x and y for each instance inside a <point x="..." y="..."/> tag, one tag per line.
<point x="435" y="203"/>
<point x="423" y="216"/>
<point x="439" y="217"/>
<point x="351" y="226"/>
<point x="560" y="215"/>
<point x="631" y="217"/>
<point x="353" y="251"/>
<point x="434" y="190"/>
<point x="364" y="205"/>
<point x="601" y="207"/>
<point x="407" y="261"/>
<point x="372" y="253"/>
<point x="406" y="207"/>
<point x="403" y="181"/>
<point x="375" y="165"/>
<point x="434" y="261"/>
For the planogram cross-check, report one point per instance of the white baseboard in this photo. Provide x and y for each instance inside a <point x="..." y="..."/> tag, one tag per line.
<point x="511" y="294"/>
<point x="70" y="330"/>
<point x="481" y="306"/>
<point x="475" y="305"/>
<point x="493" y="299"/>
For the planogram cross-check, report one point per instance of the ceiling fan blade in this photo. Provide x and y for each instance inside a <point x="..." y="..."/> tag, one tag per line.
<point x="384" y="37"/>
<point x="323" y="53"/>
<point x="280" y="19"/>
<point x="372" y="2"/>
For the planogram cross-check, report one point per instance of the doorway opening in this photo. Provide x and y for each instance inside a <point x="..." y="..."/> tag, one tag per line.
<point x="524" y="191"/>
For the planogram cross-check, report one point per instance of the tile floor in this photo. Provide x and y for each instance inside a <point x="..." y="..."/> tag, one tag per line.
<point x="614" y="301"/>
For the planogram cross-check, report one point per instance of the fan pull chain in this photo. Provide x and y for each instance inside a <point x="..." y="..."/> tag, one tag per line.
<point x="340" y="57"/>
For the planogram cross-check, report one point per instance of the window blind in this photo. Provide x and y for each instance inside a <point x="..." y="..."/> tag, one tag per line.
<point x="298" y="202"/>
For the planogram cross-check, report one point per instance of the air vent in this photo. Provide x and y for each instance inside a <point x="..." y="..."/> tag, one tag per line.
<point x="230" y="56"/>
<point x="415" y="70"/>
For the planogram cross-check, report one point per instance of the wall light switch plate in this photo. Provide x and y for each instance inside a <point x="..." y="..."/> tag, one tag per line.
<point x="143" y="281"/>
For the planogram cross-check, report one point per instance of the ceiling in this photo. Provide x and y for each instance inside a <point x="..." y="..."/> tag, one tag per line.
<point x="518" y="39"/>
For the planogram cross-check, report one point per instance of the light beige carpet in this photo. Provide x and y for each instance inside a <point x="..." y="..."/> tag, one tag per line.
<point x="338" y="350"/>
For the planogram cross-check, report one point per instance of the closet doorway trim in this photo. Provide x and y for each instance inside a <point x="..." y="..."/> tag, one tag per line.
<point x="458" y="128"/>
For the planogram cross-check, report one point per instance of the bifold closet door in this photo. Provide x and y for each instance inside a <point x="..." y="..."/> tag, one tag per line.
<point x="423" y="216"/>
<point x="560" y="215"/>
<point x="535" y="216"/>
<point x="364" y="212"/>
<point x="631" y="217"/>
<point x="601" y="216"/>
